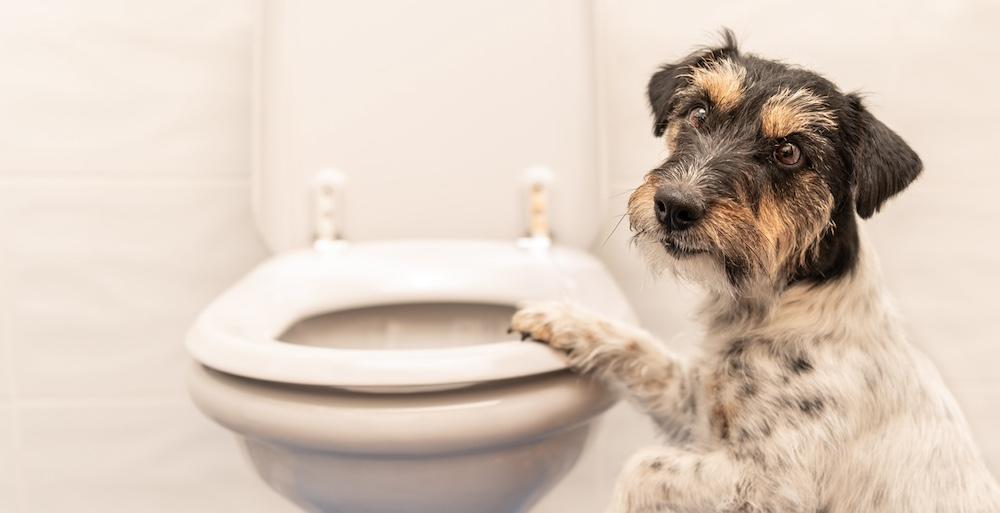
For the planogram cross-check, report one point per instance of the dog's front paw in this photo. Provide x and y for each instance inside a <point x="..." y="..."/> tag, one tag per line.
<point x="562" y="326"/>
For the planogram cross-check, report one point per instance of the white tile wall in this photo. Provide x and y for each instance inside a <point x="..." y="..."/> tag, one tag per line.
<point x="124" y="208"/>
<point x="125" y="88"/>
<point x="105" y="294"/>
<point x="154" y="457"/>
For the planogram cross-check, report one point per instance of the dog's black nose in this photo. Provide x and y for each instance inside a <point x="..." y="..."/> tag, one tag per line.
<point x="676" y="209"/>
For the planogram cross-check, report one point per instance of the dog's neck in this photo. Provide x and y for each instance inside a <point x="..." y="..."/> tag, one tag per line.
<point x="836" y="254"/>
<point x="852" y="306"/>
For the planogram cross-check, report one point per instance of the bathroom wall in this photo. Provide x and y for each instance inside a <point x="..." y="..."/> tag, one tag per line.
<point x="124" y="208"/>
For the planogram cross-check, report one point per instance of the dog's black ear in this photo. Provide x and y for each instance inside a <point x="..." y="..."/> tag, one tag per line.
<point x="883" y="164"/>
<point x="661" y="89"/>
<point x="670" y="77"/>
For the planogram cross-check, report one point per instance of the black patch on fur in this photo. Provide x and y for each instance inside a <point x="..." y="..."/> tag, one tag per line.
<point x="812" y="407"/>
<point x="738" y="366"/>
<point x="800" y="365"/>
<point x="757" y="456"/>
<point x="736" y="272"/>
<point x="690" y="405"/>
<point x="723" y="426"/>
<point x="679" y="434"/>
<point x="656" y="465"/>
<point x="737" y="348"/>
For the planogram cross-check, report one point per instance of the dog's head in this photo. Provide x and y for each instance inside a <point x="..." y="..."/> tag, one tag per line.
<point x="768" y="164"/>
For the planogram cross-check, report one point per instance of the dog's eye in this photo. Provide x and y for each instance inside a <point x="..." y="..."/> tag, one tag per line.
<point x="696" y="116"/>
<point x="788" y="155"/>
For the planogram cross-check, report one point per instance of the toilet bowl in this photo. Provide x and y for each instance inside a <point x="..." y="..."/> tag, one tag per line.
<point x="414" y="399"/>
<point x="376" y="375"/>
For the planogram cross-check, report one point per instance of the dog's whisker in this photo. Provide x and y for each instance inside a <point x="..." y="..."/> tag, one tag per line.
<point x="620" y="219"/>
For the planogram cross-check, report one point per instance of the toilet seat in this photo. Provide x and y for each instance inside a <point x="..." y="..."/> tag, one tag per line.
<point x="237" y="333"/>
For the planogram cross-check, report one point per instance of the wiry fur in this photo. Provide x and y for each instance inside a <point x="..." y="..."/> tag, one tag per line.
<point x="790" y="111"/>
<point x="722" y="79"/>
<point x="806" y="397"/>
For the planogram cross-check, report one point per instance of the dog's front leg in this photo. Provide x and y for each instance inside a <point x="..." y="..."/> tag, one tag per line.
<point x="676" y="480"/>
<point x="654" y="378"/>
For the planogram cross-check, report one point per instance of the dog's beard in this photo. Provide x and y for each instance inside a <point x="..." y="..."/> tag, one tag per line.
<point x="704" y="269"/>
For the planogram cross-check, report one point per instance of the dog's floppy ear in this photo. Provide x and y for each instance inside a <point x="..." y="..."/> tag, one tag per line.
<point x="883" y="164"/>
<point x="661" y="89"/>
<point x="670" y="77"/>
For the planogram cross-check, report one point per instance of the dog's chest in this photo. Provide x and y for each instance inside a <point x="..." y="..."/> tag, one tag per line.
<point x="754" y="387"/>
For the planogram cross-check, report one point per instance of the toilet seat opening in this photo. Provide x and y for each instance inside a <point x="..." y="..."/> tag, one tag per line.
<point x="404" y="326"/>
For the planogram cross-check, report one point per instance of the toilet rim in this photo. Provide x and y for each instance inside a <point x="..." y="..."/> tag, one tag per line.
<point x="239" y="332"/>
<point x="453" y="421"/>
<point x="388" y="370"/>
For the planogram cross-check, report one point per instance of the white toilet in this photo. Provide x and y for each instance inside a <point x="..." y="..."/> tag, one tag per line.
<point x="412" y="398"/>
<point x="375" y="375"/>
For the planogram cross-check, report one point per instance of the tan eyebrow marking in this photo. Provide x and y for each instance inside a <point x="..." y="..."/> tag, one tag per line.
<point x="788" y="112"/>
<point x="722" y="80"/>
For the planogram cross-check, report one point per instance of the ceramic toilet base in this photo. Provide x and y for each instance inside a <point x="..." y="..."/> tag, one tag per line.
<point x="488" y="448"/>
<point x="510" y="480"/>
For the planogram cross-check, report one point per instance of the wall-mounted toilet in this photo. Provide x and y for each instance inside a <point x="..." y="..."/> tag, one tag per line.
<point x="375" y="375"/>
<point x="379" y="377"/>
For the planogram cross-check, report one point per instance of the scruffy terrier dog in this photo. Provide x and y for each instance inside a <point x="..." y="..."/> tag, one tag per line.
<point x="806" y="398"/>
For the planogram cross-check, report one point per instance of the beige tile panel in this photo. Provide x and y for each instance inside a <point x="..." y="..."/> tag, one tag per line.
<point x="161" y="458"/>
<point x="108" y="279"/>
<point x="125" y="88"/>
